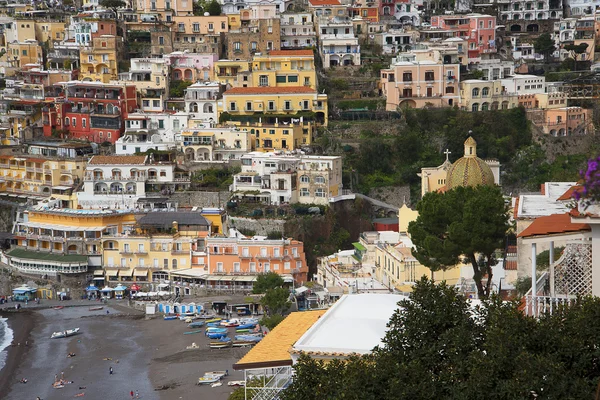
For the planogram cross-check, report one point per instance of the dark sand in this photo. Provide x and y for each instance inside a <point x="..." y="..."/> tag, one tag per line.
<point x="146" y="355"/>
<point x="21" y="323"/>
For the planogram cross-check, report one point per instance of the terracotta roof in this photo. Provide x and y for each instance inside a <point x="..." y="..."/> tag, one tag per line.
<point x="553" y="224"/>
<point x="324" y="2"/>
<point x="510" y="265"/>
<point x="117" y="160"/>
<point x="291" y="53"/>
<point x="568" y="195"/>
<point x="270" y="90"/>
<point x="274" y="349"/>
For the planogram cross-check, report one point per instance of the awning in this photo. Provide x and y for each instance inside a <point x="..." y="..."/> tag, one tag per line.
<point x="62" y="227"/>
<point x="191" y="273"/>
<point x="98" y="278"/>
<point x="112" y="272"/>
<point x="61" y="187"/>
<point x="98" y="272"/>
<point x="245" y="278"/>
<point x="140" y="272"/>
<point x="125" y="272"/>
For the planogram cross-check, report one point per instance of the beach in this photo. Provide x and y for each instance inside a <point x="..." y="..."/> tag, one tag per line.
<point x="147" y="355"/>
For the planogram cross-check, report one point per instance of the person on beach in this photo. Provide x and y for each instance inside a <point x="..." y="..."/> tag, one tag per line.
<point x="131" y="393"/>
<point x="137" y="394"/>
<point x="110" y="371"/>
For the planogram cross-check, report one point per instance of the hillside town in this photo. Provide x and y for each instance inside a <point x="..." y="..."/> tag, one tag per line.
<point x="304" y="165"/>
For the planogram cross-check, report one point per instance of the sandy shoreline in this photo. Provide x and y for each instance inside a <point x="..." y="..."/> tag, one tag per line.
<point x="144" y="354"/>
<point x="21" y="323"/>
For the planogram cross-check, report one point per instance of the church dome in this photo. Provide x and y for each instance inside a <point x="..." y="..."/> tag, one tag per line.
<point x="469" y="170"/>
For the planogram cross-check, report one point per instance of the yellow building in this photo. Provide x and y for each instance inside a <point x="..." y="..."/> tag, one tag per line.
<point x="50" y="31"/>
<point x="100" y="62"/>
<point x="297" y="104"/>
<point x="24" y="52"/>
<point x="56" y="241"/>
<point x="41" y="177"/>
<point x="406" y="215"/>
<point x="286" y="137"/>
<point x="161" y="242"/>
<point x="480" y="95"/>
<point x="434" y="178"/>
<point x="397" y="267"/>
<point x="235" y="73"/>
<point x="284" y="68"/>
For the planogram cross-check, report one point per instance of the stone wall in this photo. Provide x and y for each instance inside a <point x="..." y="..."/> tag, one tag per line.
<point x="260" y="226"/>
<point x="201" y="199"/>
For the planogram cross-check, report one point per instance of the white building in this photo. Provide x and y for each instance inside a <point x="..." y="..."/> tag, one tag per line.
<point x="337" y="42"/>
<point x="151" y="79"/>
<point x="495" y="69"/>
<point x="395" y="41"/>
<point x="288" y="178"/>
<point x="297" y="30"/>
<point x="215" y="144"/>
<point x="527" y="10"/>
<point x="201" y="101"/>
<point x="234" y="6"/>
<point x="118" y="182"/>
<point x="525" y="84"/>
<point x="582" y="7"/>
<point x="145" y="131"/>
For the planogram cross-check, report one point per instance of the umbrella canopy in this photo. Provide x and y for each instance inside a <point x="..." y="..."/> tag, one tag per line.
<point x="151" y="294"/>
<point x="135" y="287"/>
<point x="91" y="288"/>
<point x="120" y="288"/>
<point x="162" y="293"/>
<point x="107" y="289"/>
<point x="141" y="294"/>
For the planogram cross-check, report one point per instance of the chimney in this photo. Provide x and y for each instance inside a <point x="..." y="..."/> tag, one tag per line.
<point x="175" y="226"/>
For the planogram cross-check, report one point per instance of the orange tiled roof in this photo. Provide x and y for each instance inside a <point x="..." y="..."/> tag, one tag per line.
<point x="568" y="195"/>
<point x="291" y="53"/>
<point x="274" y="349"/>
<point x="117" y="160"/>
<point x="553" y="224"/>
<point x="270" y="90"/>
<point x="324" y="2"/>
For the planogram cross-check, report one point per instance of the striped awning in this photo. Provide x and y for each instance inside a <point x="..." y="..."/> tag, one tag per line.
<point x="125" y="272"/>
<point x="140" y="272"/>
<point x="112" y="272"/>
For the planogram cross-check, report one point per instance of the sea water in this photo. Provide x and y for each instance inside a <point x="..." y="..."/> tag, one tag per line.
<point x="6" y="338"/>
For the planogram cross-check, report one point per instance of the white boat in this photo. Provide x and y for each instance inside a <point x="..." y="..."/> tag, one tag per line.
<point x="219" y="374"/>
<point x="236" y="383"/>
<point x="63" y="334"/>
<point x="216" y="384"/>
<point x="206" y="380"/>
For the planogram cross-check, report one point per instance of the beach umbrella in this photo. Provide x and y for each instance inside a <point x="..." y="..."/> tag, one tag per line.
<point x="91" y="288"/>
<point x="135" y="288"/>
<point x="152" y="294"/>
<point x="141" y="294"/>
<point x="107" y="289"/>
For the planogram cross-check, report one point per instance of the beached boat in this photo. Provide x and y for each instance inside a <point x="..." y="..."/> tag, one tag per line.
<point x="207" y="380"/>
<point x="170" y="317"/>
<point x="96" y="308"/>
<point x="216" y="330"/>
<point x="214" y="320"/>
<point x="219" y="345"/>
<point x="206" y="316"/>
<point x="236" y="383"/>
<point x="216" y="384"/>
<point x="246" y="326"/>
<point x="243" y="343"/>
<point x="63" y="334"/>
<point x="216" y="335"/>
<point x="230" y="323"/>
<point x="249" y="338"/>
<point x="198" y="324"/>
<point x="213" y="324"/>
<point x="59" y="307"/>
<point x="220" y="374"/>
<point x="192" y="332"/>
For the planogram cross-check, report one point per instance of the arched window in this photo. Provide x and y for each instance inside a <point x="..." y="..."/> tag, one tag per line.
<point x="319" y="179"/>
<point x="485" y="92"/>
<point x="475" y="92"/>
<point x="304" y="179"/>
<point x="475" y="107"/>
<point x="485" y="106"/>
<point x="67" y="121"/>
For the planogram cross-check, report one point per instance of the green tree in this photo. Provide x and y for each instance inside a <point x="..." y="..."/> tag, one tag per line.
<point x="266" y="281"/>
<point x="198" y="8"/>
<point x="463" y="224"/>
<point x="576" y="50"/>
<point x="276" y="301"/>
<point x="213" y="8"/>
<point x="543" y="258"/>
<point x="544" y="45"/>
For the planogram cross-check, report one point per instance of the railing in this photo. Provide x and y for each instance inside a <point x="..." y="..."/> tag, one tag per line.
<point x="539" y="305"/>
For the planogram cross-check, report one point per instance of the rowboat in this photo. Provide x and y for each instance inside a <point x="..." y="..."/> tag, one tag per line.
<point x="192" y="332"/>
<point x="216" y="384"/>
<point x="170" y="317"/>
<point x="216" y="330"/>
<point x="216" y="335"/>
<point x="246" y="326"/>
<point x="198" y="324"/>
<point x="95" y="308"/>
<point x="63" y="334"/>
<point x="206" y="380"/>
<point x="213" y="324"/>
<point x="243" y="343"/>
<point x="214" y="320"/>
<point x="249" y="338"/>
<point x="220" y="374"/>
<point x="242" y="330"/>
<point x="230" y="323"/>
<point x="236" y="383"/>
<point x="206" y="316"/>
<point x="221" y="343"/>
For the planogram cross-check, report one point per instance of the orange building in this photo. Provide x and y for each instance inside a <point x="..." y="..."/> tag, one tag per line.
<point x="249" y="257"/>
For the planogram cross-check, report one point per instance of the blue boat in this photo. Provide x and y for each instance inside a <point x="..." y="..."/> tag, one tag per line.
<point x="249" y="338"/>
<point x="246" y="326"/>
<point x="198" y="324"/>
<point x="214" y="324"/>
<point x="216" y="335"/>
<point x="216" y="330"/>
<point x="170" y="317"/>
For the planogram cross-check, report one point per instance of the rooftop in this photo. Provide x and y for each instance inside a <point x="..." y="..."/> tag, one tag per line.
<point x="167" y="218"/>
<point x="273" y="350"/>
<point x="568" y="195"/>
<point x="270" y="90"/>
<point x="553" y="224"/>
<point x="355" y="324"/>
<point x="34" y="255"/>
<point x="117" y="160"/>
<point x="546" y="203"/>
<point x="316" y="3"/>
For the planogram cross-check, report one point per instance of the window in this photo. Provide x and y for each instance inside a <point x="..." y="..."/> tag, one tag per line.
<point x="161" y="122"/>
<point x="271" y="105"/>
<point x="263" y="251"/>
<point x="90" y="58"/>
<point x="252" y="267"/>
<point x="83" y="122"/>
<point x="485" y="107"/>
<point x="293" y="79"/>
<point x="475" y="92"/>
<point x="276" y="252"/>
<point x="267" y="267"/>
<point x="485" y="92"/>
<point x="196" y="27"/>
<point x="280" y="79"/>
<point x="146" y="103"/>
<point x="475" y="107"/>
<point x="74" y="123"/>
<point x="237" y="46"/>
<point x="319" y="179"/>
<point x="295" y="251"/>
<point x="126" y="248"/>
<point x="320" y="192"/>
<point x="24" y="52"/>
<point x="304" y="192"/>
<point x="67" y="121"/>
<point x="166" y="263"/>
<point x="298" y="264"/>
<point x="219" y="267"/>
<point x="248" y="106"/>
<point x="232" y="106"/>
<point x="174" y="263"/>
<point x="253" y="46"/>
<point x="286" y="265"/>
<point x="161" y="40"/>
<point x="236" y="267"/>
<point x="407" y="77"/>
<point x="449" y="89"/>
<point x="211" y="27"/>
<point x="429" y="76"/>
<point x="287" y="105"/>
<point x="263" y="80"/>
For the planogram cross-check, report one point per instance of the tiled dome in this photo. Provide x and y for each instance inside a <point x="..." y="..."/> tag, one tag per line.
<point x="469" y="170"/>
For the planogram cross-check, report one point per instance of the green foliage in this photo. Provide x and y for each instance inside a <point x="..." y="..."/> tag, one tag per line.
<point x="543" y="258"/>
<point x="271" y="321"/>
<point x="274" y="235"/>
<point x="198" y="8"/>
<point x="440" y="347"/>
<point x="267" y="281"/>
<point x="240" y="392"/>
<point x="522" y="285"/>
<point x="276" y="301"/>
<point x="467" y="223"/>
<point x="544" y="45"/>
<point x="247" y="232"/>
<point x="477" y="74"/>
<point x="371" y="104"/>
<point x="113" y="4"/>
<point x="215" y="177"/>
<point x="213" y="8"/>
<point x="177" y="88"/>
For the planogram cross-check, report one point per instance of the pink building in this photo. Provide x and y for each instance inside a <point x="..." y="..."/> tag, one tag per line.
<point x="191" y="67"/>
<point x="478" y="29"/>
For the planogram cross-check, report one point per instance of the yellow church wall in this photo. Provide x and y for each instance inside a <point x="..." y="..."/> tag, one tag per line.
<point x="405" y="217"/>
